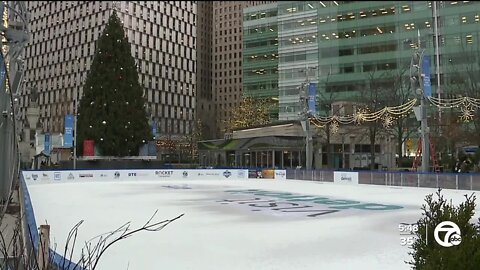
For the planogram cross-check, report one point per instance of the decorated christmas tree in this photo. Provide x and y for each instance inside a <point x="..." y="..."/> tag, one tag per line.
<point x="112" y="109"/>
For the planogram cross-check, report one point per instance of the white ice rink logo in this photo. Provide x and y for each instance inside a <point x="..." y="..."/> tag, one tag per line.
<point x="452" y="234"/>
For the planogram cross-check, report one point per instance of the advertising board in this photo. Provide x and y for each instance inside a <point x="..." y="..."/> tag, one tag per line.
<point x="345" y="177"/>
<point x="129" y="175"/>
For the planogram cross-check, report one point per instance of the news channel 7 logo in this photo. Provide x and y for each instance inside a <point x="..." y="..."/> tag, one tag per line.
<point x="407" y="233"/>
<point x="452" y="236"/>
<point x="450" y="231"/>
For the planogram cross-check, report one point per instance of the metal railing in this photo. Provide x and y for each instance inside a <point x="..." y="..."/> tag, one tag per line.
<point x="464" y="181"/>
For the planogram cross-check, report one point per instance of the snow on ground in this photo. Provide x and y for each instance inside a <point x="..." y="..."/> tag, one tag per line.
<point x="236" y="224"/>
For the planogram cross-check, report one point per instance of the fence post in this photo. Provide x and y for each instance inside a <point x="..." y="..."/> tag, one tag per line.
<point x="471" y="182"/>
<point x="313" y="179"/>
<point x="437" y="179"/>
<point x="456" y="181"/>
<point x="371" y="178"/>
<point x="418" y="180"/>
<point x="44" y="247"/>
<point x="401" y="179"/>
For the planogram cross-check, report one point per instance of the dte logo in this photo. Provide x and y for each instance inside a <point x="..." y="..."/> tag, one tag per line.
<point x="132" y="174"/>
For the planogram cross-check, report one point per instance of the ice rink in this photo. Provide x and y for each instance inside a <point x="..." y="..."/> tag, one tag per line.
<point x="250" y="224"/>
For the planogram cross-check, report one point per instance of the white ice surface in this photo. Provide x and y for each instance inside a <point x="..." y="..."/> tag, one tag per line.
<point x="214" y="236"/>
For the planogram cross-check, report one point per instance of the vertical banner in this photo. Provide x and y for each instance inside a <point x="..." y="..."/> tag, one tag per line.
<point x="312" y="93"/>
<point x="154" y="129"/>
<point x="88" y="148"/>
<point x="68" y="137"/>
<point x="427" y="86"/>
<point x="47" y="144"/>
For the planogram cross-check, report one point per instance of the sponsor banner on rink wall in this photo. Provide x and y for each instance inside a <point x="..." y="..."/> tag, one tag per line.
<point x="125" y="175"/>
<point x="345" y="177"/>
<point x="267" y="174"/>
<point x="281" y="174"/>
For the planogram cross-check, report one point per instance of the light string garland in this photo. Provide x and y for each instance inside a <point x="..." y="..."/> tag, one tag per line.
<point x="362" y="115"/>
<point x="467" y="105"/>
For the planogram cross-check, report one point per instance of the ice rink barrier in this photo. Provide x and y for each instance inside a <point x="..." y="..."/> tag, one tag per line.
<point x="32" y="177"/>
<point x="31" y="235"/>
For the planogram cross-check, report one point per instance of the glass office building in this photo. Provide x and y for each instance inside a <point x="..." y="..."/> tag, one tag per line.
<point x="260" y="47"/>
<point x="344" y="46"/>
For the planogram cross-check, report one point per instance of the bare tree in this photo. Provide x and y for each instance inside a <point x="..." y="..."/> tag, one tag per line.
<point x="326" y="97"/>
<point x="400" y="92"/>
<point x="192" y="141"/>
<point x="22" y="257"/>
<point x="463" y="79"/>
<point x="374" y="97"/>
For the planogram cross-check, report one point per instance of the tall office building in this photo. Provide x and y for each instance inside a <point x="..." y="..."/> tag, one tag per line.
<point x="163" y="42"/>
<point x="343" y="45"/>
<point x="220" y="35"/>
<point x="204" y="98"/>
<point x="260" y="53"/>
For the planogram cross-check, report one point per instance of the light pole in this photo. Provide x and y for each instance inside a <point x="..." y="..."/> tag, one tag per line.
<point x="421" y="112"/>
<point x="75" y="133"/>
<point x="306" y="113"/>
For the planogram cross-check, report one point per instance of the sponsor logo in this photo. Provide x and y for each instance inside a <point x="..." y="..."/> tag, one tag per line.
<point x="45" y="176"/>
<point x="28" y="177"/>
<point x="57" y="176"/>
<point x="163" y="173"/>
<point x="132" y="174"/>
<point x="34" y="177"/>
<point x="280" y="173"/>
<point x="241" y="174"/>
<point x="85" y="175"/>
<point x="117" y="175"/>
<point x="227" y="174"/>
<point x="103" y="175"/>
<point x="345" y="177"/>
<point x="185" y="174"/>
<point x="452" y="235"/>
<point x="70" y="176"/>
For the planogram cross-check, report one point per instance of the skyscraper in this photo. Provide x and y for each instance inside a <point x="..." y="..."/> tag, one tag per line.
<point x="223" y="23"/>
<point x="342" y="45"/>
<point x="163" y="39"/>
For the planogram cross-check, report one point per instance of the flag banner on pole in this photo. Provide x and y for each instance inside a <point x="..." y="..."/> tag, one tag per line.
<point x="68" y="137"/>
<point x="427" y="86"/>
<point x="312" y="92"/>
